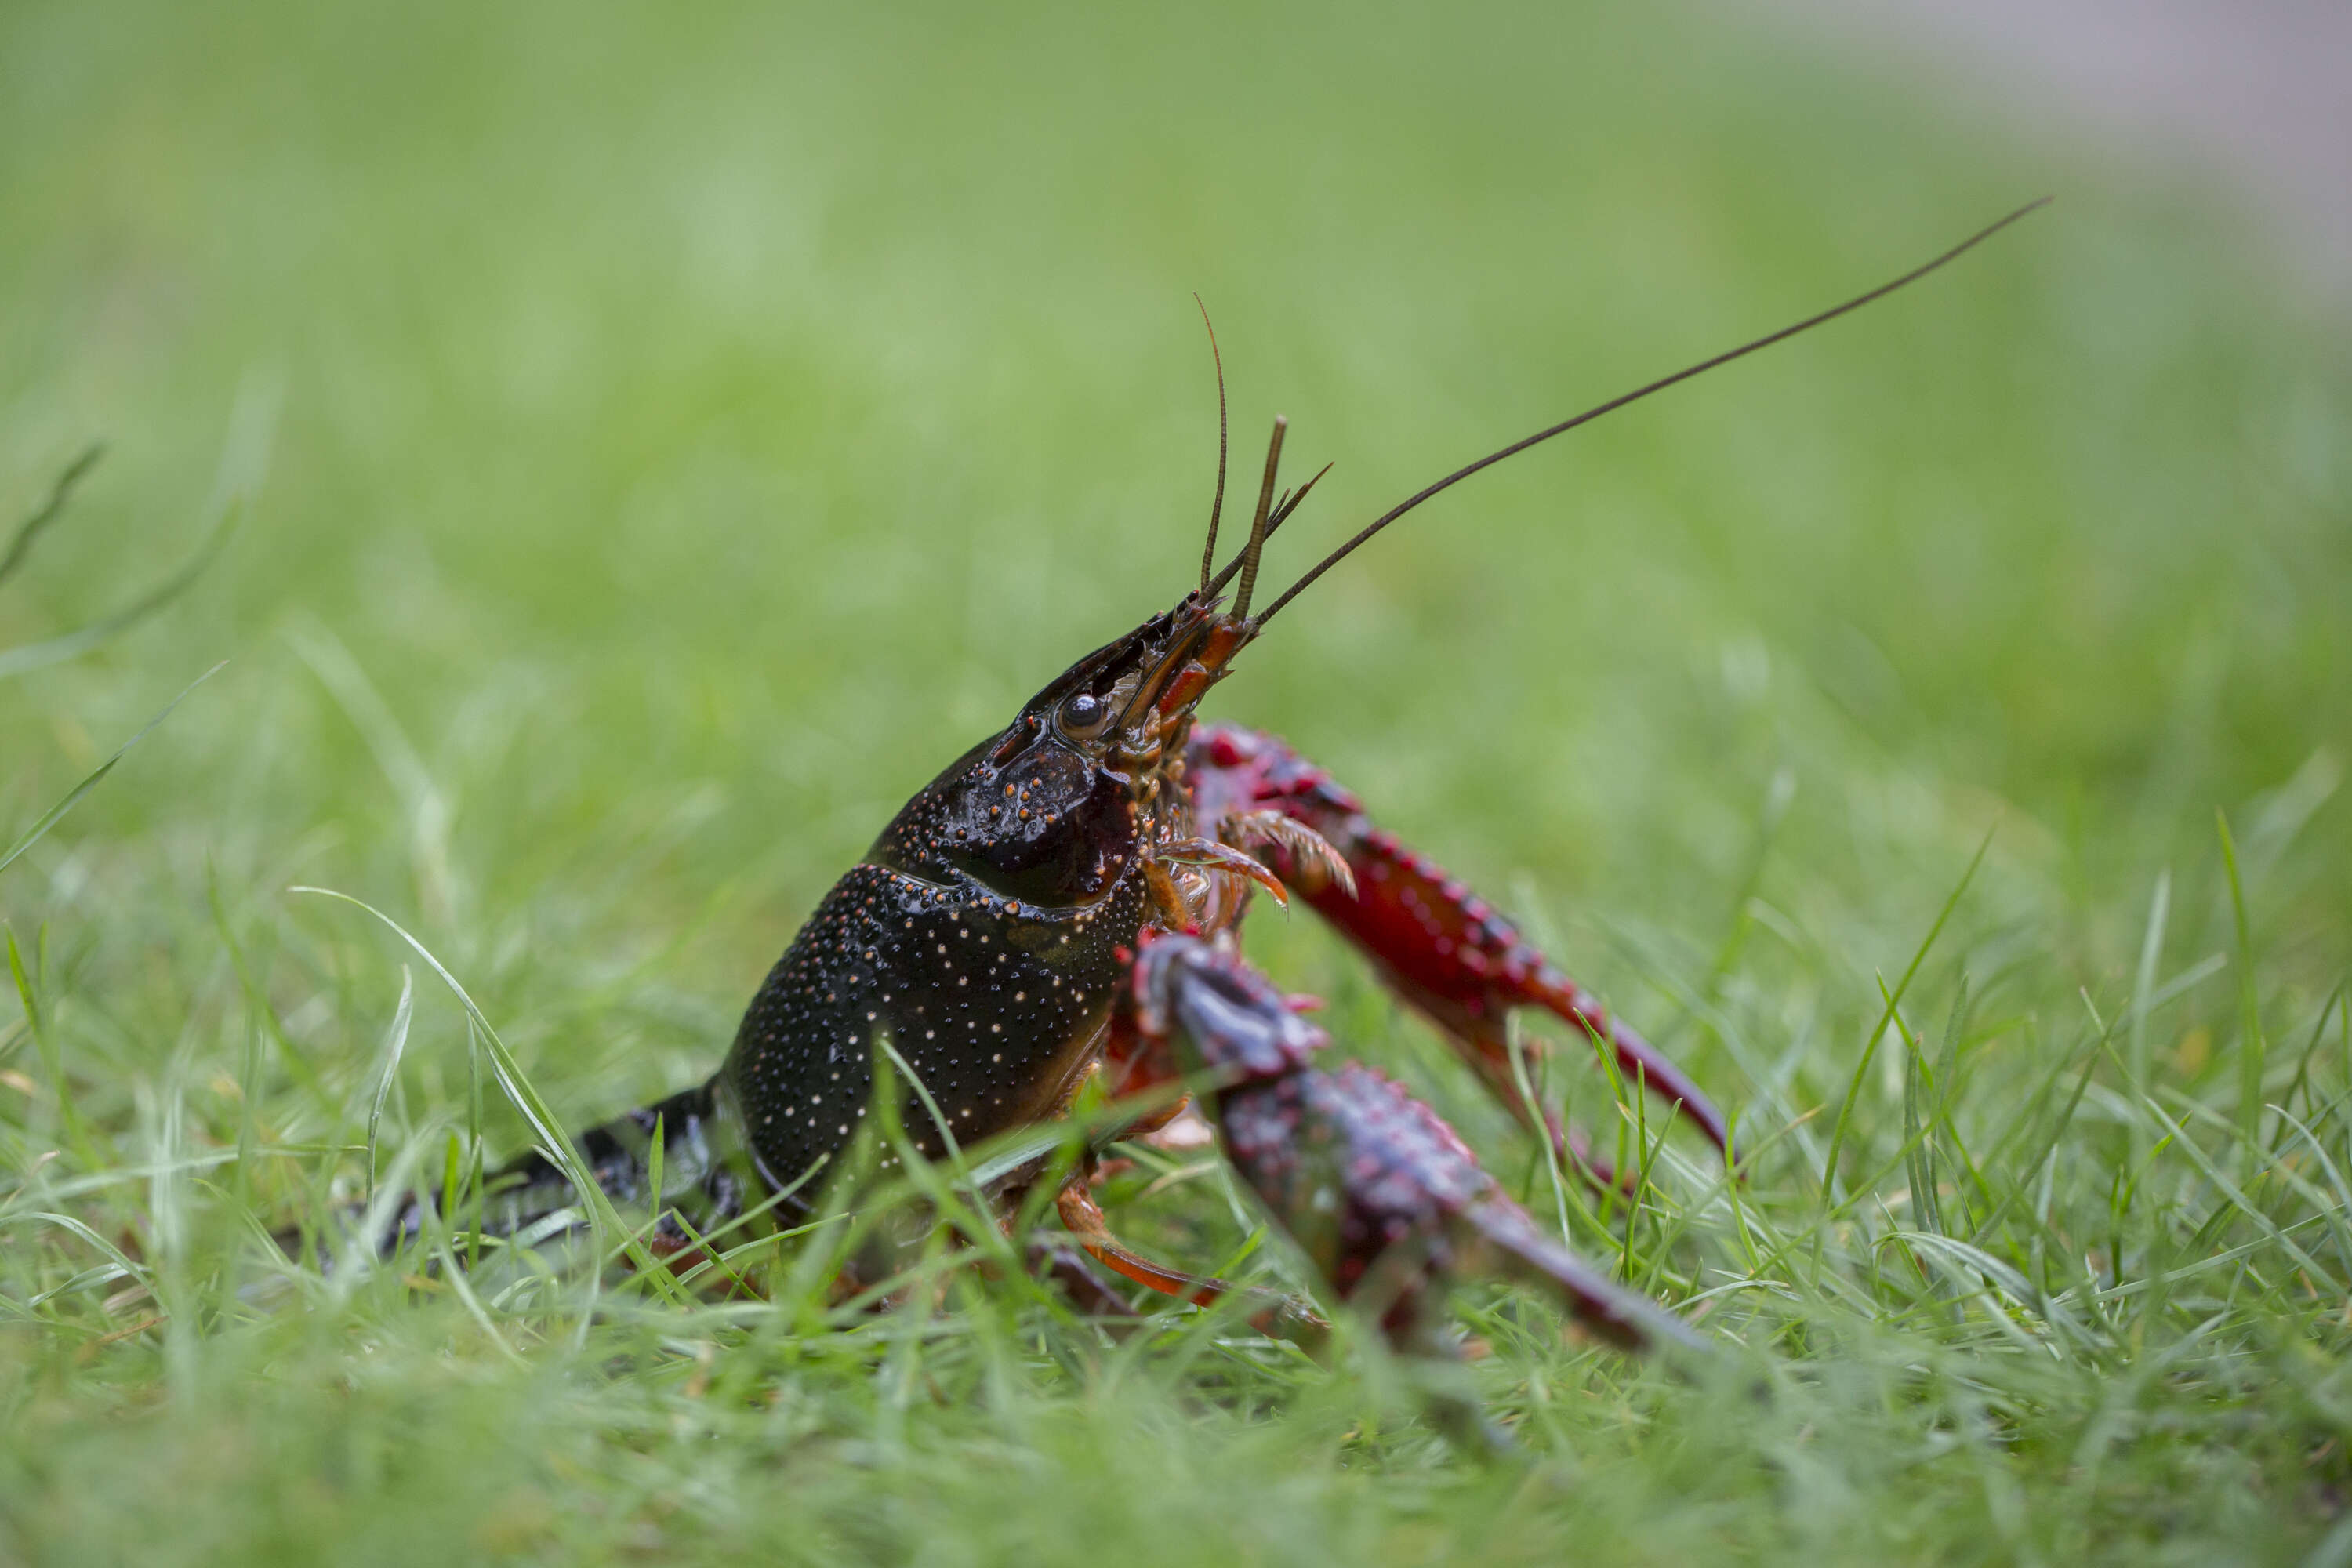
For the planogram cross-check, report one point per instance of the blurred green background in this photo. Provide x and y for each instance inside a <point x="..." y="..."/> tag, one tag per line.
<point x="667" y="436"/>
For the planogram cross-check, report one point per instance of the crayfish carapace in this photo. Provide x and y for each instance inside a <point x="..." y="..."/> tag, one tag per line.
<point x="1061" y="904"/>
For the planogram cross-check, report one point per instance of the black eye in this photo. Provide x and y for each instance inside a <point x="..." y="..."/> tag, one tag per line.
<point x="1084" y="714"/>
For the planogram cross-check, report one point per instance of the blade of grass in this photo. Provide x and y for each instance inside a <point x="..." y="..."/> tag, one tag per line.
<point x="964" y="1205"/>
<point x="396" y="756"/>
<point x="2251" y="1049"/>
<point x="1894" y="999"/>
<point x="2048" y="1145"/>
<point x="2143" y="998"/>
<point x="2336" y="1213"/>
<point x="395" y="1040"/>
<point x="26" y="658"/>
<point x="28" y="996"/>
<point x="1515" y="1041"/>
<point x="2302" y="1081"/>
<point x="113" y="1254"/>
<point x="73" y="797"/>
<point x="455" y="1278"/>
<point x="244" y="460"/>
<point x="1918" y="1139"/>
<point x="2166" y="1278"/>
<point x="20" y="546"/>
<point x="2177" y="1136"/>
<point x="602" y="1220"/>
<point x="655" y="1157"/>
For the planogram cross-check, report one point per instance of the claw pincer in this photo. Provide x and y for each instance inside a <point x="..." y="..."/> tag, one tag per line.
<point x="1380" y="1195"/>
<point x="1447" y="953"/>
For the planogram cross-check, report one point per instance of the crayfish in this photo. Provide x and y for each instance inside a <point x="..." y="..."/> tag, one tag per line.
<point x="1060" y="908"/>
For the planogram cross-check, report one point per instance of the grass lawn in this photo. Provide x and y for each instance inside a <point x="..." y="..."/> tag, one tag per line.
<point x="651" y="445"/>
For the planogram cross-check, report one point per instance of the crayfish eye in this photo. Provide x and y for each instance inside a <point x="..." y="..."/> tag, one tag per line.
<point x="1084" y="715"/>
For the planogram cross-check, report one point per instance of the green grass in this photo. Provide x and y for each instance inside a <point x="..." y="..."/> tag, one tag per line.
<point x="666" y="439"/>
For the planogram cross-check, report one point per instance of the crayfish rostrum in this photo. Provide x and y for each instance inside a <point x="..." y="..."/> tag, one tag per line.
<point x="1061" y="904"/>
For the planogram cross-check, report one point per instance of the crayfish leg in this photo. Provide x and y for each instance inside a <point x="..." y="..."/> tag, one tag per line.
<point x="1276" y="1316"/>
<point x="1443" y="949"/>
<point x="1062" y="1259"/>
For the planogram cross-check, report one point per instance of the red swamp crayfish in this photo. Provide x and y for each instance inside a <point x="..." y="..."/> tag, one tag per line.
<point x="1061" y="904"/>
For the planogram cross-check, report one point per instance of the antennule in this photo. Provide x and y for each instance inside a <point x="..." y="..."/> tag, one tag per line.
<point x="1281" y="514"/>
<point x="1639" y="393"/>
<point x="1217" y="505"/>
<point x="1256" y="546"/>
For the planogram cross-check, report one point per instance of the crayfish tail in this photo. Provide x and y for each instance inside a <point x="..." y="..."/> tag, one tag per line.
<point x="696" y="1177"/>
<point x="530" y="1200"/>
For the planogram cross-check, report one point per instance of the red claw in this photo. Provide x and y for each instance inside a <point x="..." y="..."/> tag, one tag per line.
<point x="1439" y="946"/>
<point x="1378" y="1192"/>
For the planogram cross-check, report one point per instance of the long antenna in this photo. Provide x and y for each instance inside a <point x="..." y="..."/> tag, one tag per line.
<point x="1217" y="505"/>
<point x="1458" y="475"/>
<point x="1255" y="548"/>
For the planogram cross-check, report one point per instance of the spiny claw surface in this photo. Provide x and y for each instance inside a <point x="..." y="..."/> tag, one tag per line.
<point x="1443" y="949"/>
<point x="1381" y="1195"/>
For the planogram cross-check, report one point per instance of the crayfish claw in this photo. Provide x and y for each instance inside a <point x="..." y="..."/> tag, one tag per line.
<point x="1375" y="1188"/>
<point x="1445" y="951"/>
<point x="1608" y="1310"/>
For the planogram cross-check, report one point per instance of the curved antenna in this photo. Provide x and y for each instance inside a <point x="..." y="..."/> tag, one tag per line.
<point x="1458" y="475"/>
<point x="1216" y="506"/>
